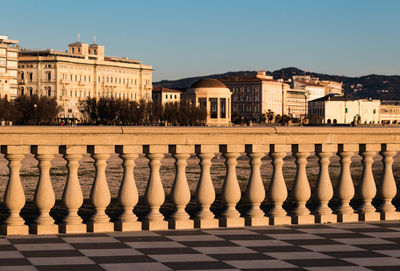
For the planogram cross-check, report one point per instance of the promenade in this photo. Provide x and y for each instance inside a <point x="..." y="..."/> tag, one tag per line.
<point x="344" y="247"/>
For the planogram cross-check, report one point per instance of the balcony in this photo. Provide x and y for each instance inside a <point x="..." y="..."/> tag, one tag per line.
<point x="258" y="201"/>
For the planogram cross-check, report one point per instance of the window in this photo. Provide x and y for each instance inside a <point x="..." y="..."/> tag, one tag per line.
<point x="222" y="102"/>
<point x="166" y="96"/>
<point x="22" y="75"/>
<point x="30" y="91"/>
<point x="22" y="91"/>
<point x="31" y="76"/>
<point x="48" y="74"/>
<point x="213" y="108"/>
<point x="49" y="92"/>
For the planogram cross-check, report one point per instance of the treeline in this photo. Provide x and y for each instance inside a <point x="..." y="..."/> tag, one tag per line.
<point x="110" y="111"/>
<point x="29" y="110"/>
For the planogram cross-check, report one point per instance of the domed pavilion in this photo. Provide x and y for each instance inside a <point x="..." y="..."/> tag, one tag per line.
<point x="215" y="96"/>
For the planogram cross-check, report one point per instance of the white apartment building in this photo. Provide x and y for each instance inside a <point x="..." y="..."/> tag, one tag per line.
<point x="8" y="68"/>
<point x="83" y="71"/>
<point x="341" y="109"/>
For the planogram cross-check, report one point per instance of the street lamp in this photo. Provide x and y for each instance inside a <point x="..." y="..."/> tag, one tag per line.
<point x="34" y="112"/>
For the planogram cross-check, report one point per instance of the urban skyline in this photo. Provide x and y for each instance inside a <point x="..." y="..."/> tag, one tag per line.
<point x="182" y="39"/>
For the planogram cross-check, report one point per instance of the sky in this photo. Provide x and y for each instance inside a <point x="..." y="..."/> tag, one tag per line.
<point x="184" y="38"/>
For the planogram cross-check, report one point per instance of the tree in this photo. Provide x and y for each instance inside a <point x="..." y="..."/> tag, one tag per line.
<point x="7" y="111"/>
<point x="33" y="110"/>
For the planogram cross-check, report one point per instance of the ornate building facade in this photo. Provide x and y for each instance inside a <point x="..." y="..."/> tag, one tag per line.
<point x="82" y="71"/>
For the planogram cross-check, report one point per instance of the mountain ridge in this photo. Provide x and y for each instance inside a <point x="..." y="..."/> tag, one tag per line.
<point x="376" y="86"/>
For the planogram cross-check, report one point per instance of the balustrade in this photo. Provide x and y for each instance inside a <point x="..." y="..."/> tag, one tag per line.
<point x="261" y="192"/>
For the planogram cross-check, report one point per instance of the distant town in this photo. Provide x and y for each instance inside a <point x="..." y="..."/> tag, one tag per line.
<point x="83" y="83"/>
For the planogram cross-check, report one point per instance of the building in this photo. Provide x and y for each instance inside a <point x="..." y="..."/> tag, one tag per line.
<point x="297" y="102"/>
<point x="316" y="88"/>
<point x="253" y="96"/>
<point x="213" y="95"/>
<point x="8" y="68"/>
<point x="166" y="95"/>
<point x="332" y="87"/>
<point x="82" y="71"/>
<point x="390" y="112"/>
<point x="341" y="109"/>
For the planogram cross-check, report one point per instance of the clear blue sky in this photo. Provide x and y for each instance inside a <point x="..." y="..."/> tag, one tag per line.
<point x="182" y="38"/>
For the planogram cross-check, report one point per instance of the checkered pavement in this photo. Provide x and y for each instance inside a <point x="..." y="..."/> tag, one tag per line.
<point x="344" y="247"/>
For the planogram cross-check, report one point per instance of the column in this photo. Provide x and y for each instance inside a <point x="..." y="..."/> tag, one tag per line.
<point x="387" y="188"/>
<point x="44" y="195"/>
<point x="301" y="191"/>
<point x="14" y="196"/>
<point x="230" y="192"/>
<point x="323" y="191"/>
<point x="218" y="110"/>
<point x="255" y="191"/>
<point x="100" y="194"/>
<point x="205" y="193"/>
<point x="344" y="189"/>
<point x="367" y="188"/>
<point x="155" y="195"/>
<point x="128" y="195"/>
<point x="277" y="191"/>
<point x="72" y="196"/>
<point x="180" y="192"/>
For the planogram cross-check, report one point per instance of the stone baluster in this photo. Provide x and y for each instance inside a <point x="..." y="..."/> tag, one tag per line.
<point x="44" y="195"/>
<point x="180" y="192"/>
<point x="72" y="196"/>
<point x="100" y="194"/>
<point x="301" y="191"/>
<point x="14" y="196"/>
<point x="367" y="188"/>
<point x="205" y="192"/>
<point x="255" y="191"/>
<point x="128" y="195"/>
<point x="155" y="195"/>
<point x="230" y="192"/>
<point x="323" y="191"/>
<point x="387" y="187"/>
<point x="344" y="189"/>
<point x="277" y="191"/>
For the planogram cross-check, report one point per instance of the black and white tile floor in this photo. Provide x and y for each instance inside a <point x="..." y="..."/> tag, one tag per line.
<point x="344" y="247"/>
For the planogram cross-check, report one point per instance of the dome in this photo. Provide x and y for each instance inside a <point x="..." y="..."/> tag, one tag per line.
<point x="208" y="83"/>
<point x="94" y="45"/>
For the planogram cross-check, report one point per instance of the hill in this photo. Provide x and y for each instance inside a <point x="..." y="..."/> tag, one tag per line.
<point x="384" y="87"/>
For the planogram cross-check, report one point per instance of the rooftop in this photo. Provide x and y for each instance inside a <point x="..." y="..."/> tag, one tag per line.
<point x="247" y="79"/>
<point x="163" y="89"/>
<point x="337" y="97"/>
<point x="51" y="52"/>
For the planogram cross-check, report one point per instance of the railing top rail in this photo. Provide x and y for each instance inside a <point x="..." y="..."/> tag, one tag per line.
<point x="201" y="130"/>
<point x="129" y="135"/>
